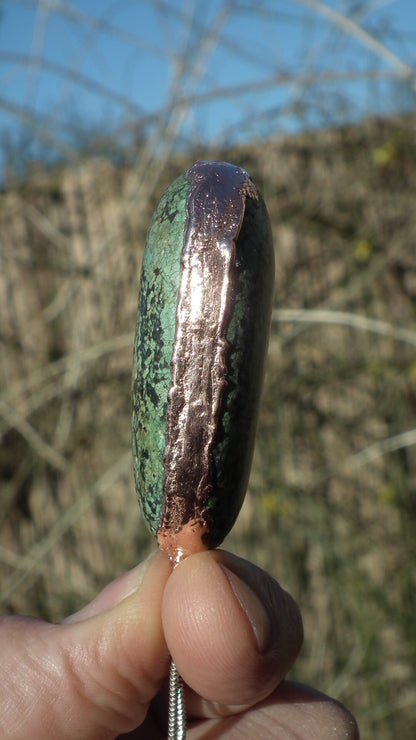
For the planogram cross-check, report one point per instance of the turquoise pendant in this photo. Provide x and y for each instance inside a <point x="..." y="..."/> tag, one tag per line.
<point x="201" y="338"/>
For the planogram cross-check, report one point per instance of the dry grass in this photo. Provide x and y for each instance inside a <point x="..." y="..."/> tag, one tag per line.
<point x="331" y="506"/>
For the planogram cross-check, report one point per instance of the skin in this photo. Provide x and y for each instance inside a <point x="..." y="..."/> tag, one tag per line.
<point x="231" y="629"/>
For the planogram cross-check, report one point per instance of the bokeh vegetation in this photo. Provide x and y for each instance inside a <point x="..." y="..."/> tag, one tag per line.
<point x="331" y="506"/>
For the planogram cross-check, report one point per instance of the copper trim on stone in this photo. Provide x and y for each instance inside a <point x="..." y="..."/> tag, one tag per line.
<point x="216" y="205"/>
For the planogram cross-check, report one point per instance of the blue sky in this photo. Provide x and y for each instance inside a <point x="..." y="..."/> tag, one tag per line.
<point x="225" y="71"/>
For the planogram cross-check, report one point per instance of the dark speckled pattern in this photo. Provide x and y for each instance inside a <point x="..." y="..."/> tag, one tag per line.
<point x="155" y="334"/>
<point x="202" y="332"/>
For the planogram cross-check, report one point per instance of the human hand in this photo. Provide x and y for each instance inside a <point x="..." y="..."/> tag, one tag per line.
<point x="232" y="631"/>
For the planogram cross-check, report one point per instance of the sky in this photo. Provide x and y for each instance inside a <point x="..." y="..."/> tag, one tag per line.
<point x="212" y="71"/>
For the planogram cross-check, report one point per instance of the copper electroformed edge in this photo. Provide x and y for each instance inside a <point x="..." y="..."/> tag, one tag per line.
<point x="215" y="212"/>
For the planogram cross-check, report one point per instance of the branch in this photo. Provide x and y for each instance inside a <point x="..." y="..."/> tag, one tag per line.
<point x="343" y="318"/>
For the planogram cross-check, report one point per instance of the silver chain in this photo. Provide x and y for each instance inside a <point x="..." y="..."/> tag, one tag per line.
<point x="177" y="709"/>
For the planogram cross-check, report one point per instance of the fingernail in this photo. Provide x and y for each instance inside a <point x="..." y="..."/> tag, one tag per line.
<point x="115" y="592"/>
<point x="129" y="582"/>
<point x="252" y="608"/>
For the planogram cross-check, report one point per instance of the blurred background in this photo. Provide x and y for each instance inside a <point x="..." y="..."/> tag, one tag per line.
<point x="102" y="105"/>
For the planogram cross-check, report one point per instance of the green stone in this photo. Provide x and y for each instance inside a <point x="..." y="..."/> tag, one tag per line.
<point x="155" y="334"/>
<point x="198" y="216"/>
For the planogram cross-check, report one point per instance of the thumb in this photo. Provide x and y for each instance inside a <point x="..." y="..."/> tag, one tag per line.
<point x="94" y="675"/>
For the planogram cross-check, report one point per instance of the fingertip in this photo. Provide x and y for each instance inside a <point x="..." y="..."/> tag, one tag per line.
<point x="231" y="630"/>
<point x="197" y="610"/>
<point x="292" y="710"/>
<point x="120" y="588"/>
<point x="305" y="709"/>
<point x="128" y="633"/>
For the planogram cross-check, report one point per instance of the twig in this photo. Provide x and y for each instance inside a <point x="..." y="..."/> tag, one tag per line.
<point x="32" y="437"/>
<point x="344" y="318"/>
<point x="353" y="29"/>
<point x="383" y="447"/>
